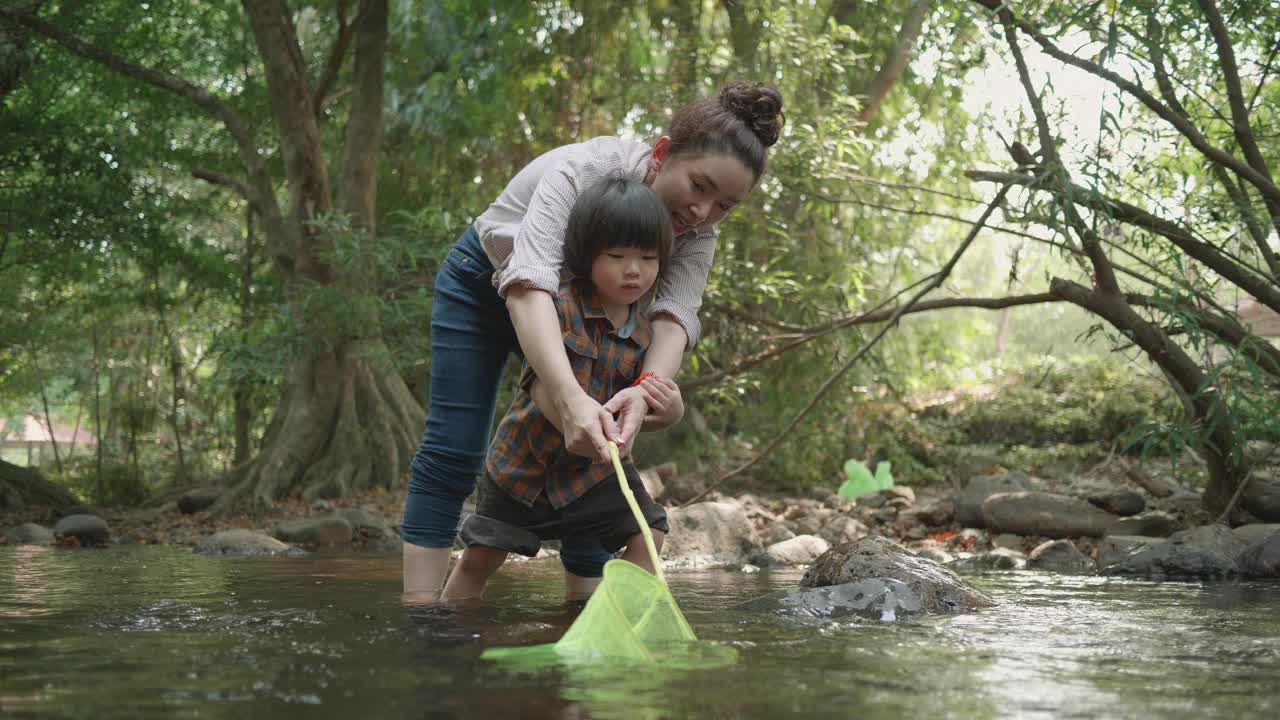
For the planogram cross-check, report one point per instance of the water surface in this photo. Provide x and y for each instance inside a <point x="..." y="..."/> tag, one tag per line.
<point x="136" y="632"/>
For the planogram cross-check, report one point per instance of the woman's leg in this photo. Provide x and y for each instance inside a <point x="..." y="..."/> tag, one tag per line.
<point x="471" y="336"/>
<point x="472" y="572"/>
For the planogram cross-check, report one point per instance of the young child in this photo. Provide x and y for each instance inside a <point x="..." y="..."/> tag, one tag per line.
<point x="617" y="243"/>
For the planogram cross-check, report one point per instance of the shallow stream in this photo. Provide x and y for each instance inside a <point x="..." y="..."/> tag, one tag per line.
<point x="146" y="631"/>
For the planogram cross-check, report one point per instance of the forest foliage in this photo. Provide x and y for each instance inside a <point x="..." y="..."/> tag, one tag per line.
<point x="144" y="294"/>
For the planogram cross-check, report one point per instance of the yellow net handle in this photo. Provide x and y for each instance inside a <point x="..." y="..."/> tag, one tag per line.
<point x="635" y="510"/>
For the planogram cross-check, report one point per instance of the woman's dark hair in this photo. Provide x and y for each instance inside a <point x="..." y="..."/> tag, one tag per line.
<point x="616" y="213"/>
<point x="743" y="121"/>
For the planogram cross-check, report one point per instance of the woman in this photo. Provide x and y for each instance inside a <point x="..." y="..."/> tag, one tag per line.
<point x="493" y="295"/>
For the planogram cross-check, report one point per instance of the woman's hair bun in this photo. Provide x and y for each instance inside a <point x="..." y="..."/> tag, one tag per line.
<point x="757" y="105"/>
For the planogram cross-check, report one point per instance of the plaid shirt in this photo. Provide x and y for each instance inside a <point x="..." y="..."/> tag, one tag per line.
<point x="527" y="456"/>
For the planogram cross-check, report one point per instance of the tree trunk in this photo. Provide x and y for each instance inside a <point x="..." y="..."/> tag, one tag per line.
<point x="346" y="421"/>
<point x="48" y="423"/>
<point x="896" y="60"/>
<point x="243" y="393"/>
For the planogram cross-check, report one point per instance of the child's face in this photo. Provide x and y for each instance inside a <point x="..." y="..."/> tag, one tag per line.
<point x="622" y="276"/>
<point x="700" y="189"/>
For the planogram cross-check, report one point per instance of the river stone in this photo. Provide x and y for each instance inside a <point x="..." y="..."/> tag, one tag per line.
<point x="1155" y="523"/>
<point x="197" y="499"/>
<point x="325" y="530"/>
<point x="1060" y="556"/>
<point x="1045" y="514"/>
<point x="1114" y="548"/>
<point x="1250" y="534"/>
<point x="843" y="529"/>
<point x="1122" y="502"/>
<point x="1262" y="559"/>
<point x="1172" y="560"/>
<point x="361" y="519"/>
<point x="939" y="589"/>
<point x="1217" y="537"/>
<point x="874" y="598"/>
<point x="968" y="502"/>
<point x="1262" y="495"/>
<point x="89" y="530"/>
<point x="776" y="532"/>
<point x="708" y="534"/>
<point x="939" y="512"/>
<point x="28" y="534"/>
<point x="799" y="550"/>
<point x="240" y="541"/>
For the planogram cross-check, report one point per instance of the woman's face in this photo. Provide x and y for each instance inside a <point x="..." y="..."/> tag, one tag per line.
<point x="699" y="189"/>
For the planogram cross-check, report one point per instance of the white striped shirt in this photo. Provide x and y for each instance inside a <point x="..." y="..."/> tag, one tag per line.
<point x="522" y="232"/>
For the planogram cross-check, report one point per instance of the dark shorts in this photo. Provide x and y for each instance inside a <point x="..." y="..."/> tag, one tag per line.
<point x="503" y="522"/>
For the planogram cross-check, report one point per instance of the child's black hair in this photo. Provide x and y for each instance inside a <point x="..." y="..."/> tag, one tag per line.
<point x="616" y="213"/>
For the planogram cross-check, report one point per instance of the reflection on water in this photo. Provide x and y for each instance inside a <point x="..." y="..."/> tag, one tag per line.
<point x="160" y="632"/>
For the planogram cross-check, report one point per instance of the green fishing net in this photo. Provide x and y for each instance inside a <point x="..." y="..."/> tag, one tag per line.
<point x="631" y="618"/>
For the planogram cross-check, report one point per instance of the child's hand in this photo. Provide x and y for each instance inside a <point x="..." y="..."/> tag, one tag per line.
<point x="666" y="404"/>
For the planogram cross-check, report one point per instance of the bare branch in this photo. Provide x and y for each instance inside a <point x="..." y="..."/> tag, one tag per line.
<point x="936" y="281"/>
<point x="876" y="316"/>
<point x="1263" y="182"/>
<point x="1259" y="287"/>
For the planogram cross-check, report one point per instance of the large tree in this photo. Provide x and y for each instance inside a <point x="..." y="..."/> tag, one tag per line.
<point x="346" y="419"/>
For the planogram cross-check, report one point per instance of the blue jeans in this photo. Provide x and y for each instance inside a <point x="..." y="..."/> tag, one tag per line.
<point x="471" y="336"/>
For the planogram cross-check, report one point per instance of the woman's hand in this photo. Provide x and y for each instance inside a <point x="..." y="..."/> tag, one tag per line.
<point x="631" y="407"/>
<point x="666" y="404"/>
<point x="587" y="426"/>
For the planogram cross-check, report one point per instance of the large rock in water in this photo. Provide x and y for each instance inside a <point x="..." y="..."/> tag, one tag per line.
<point x="199" y="498"/>
<point x="1172" y="560"/>
<point x="1262" y="559"/>
<point x="877" y="558"/>
<point x="239" y="541"/>
<point x="1046" y="514"/>
<point x="708" y="534"/>
<point x="88" y="530"/>
<point x="873" y="598"/>
<point x="1061" y="556"/>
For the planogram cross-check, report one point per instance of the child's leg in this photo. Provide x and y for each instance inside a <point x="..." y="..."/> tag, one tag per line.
<point x="472" y="572"/>
<point x="637" y="553"/>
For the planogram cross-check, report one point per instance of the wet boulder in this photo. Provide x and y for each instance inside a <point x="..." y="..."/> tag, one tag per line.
<point x="1173" y="560"/>
<point x="1045" y="514"/>
<point x="1217" y="537"/>
<point x="1061" y="556"/>
<point x="708" y="534"/>
<point x="1262" y="559"/>
<point x="799" y="550"/>
<point x="873" y="598"/>
<point x="28" y="534"/>
<point x="1114" y="548"/>
<point x="240" y="541"/>
<point x="87" y="530"/>
<point x="992" y="561"/>
<point x="1122" y="502"/>
<point x="876" y="557"/>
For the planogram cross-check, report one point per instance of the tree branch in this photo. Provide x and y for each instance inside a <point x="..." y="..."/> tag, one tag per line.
<point x="337" y="54"/>
<point x="1189" y="131"/>
<point x="896" y="60"/>
<point x="867" y="318"/>
<point x="936" y="281"/>
<point x="1259" y="287"/>
<point x="225" y="180"/>
<point x="259" y="178"/>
